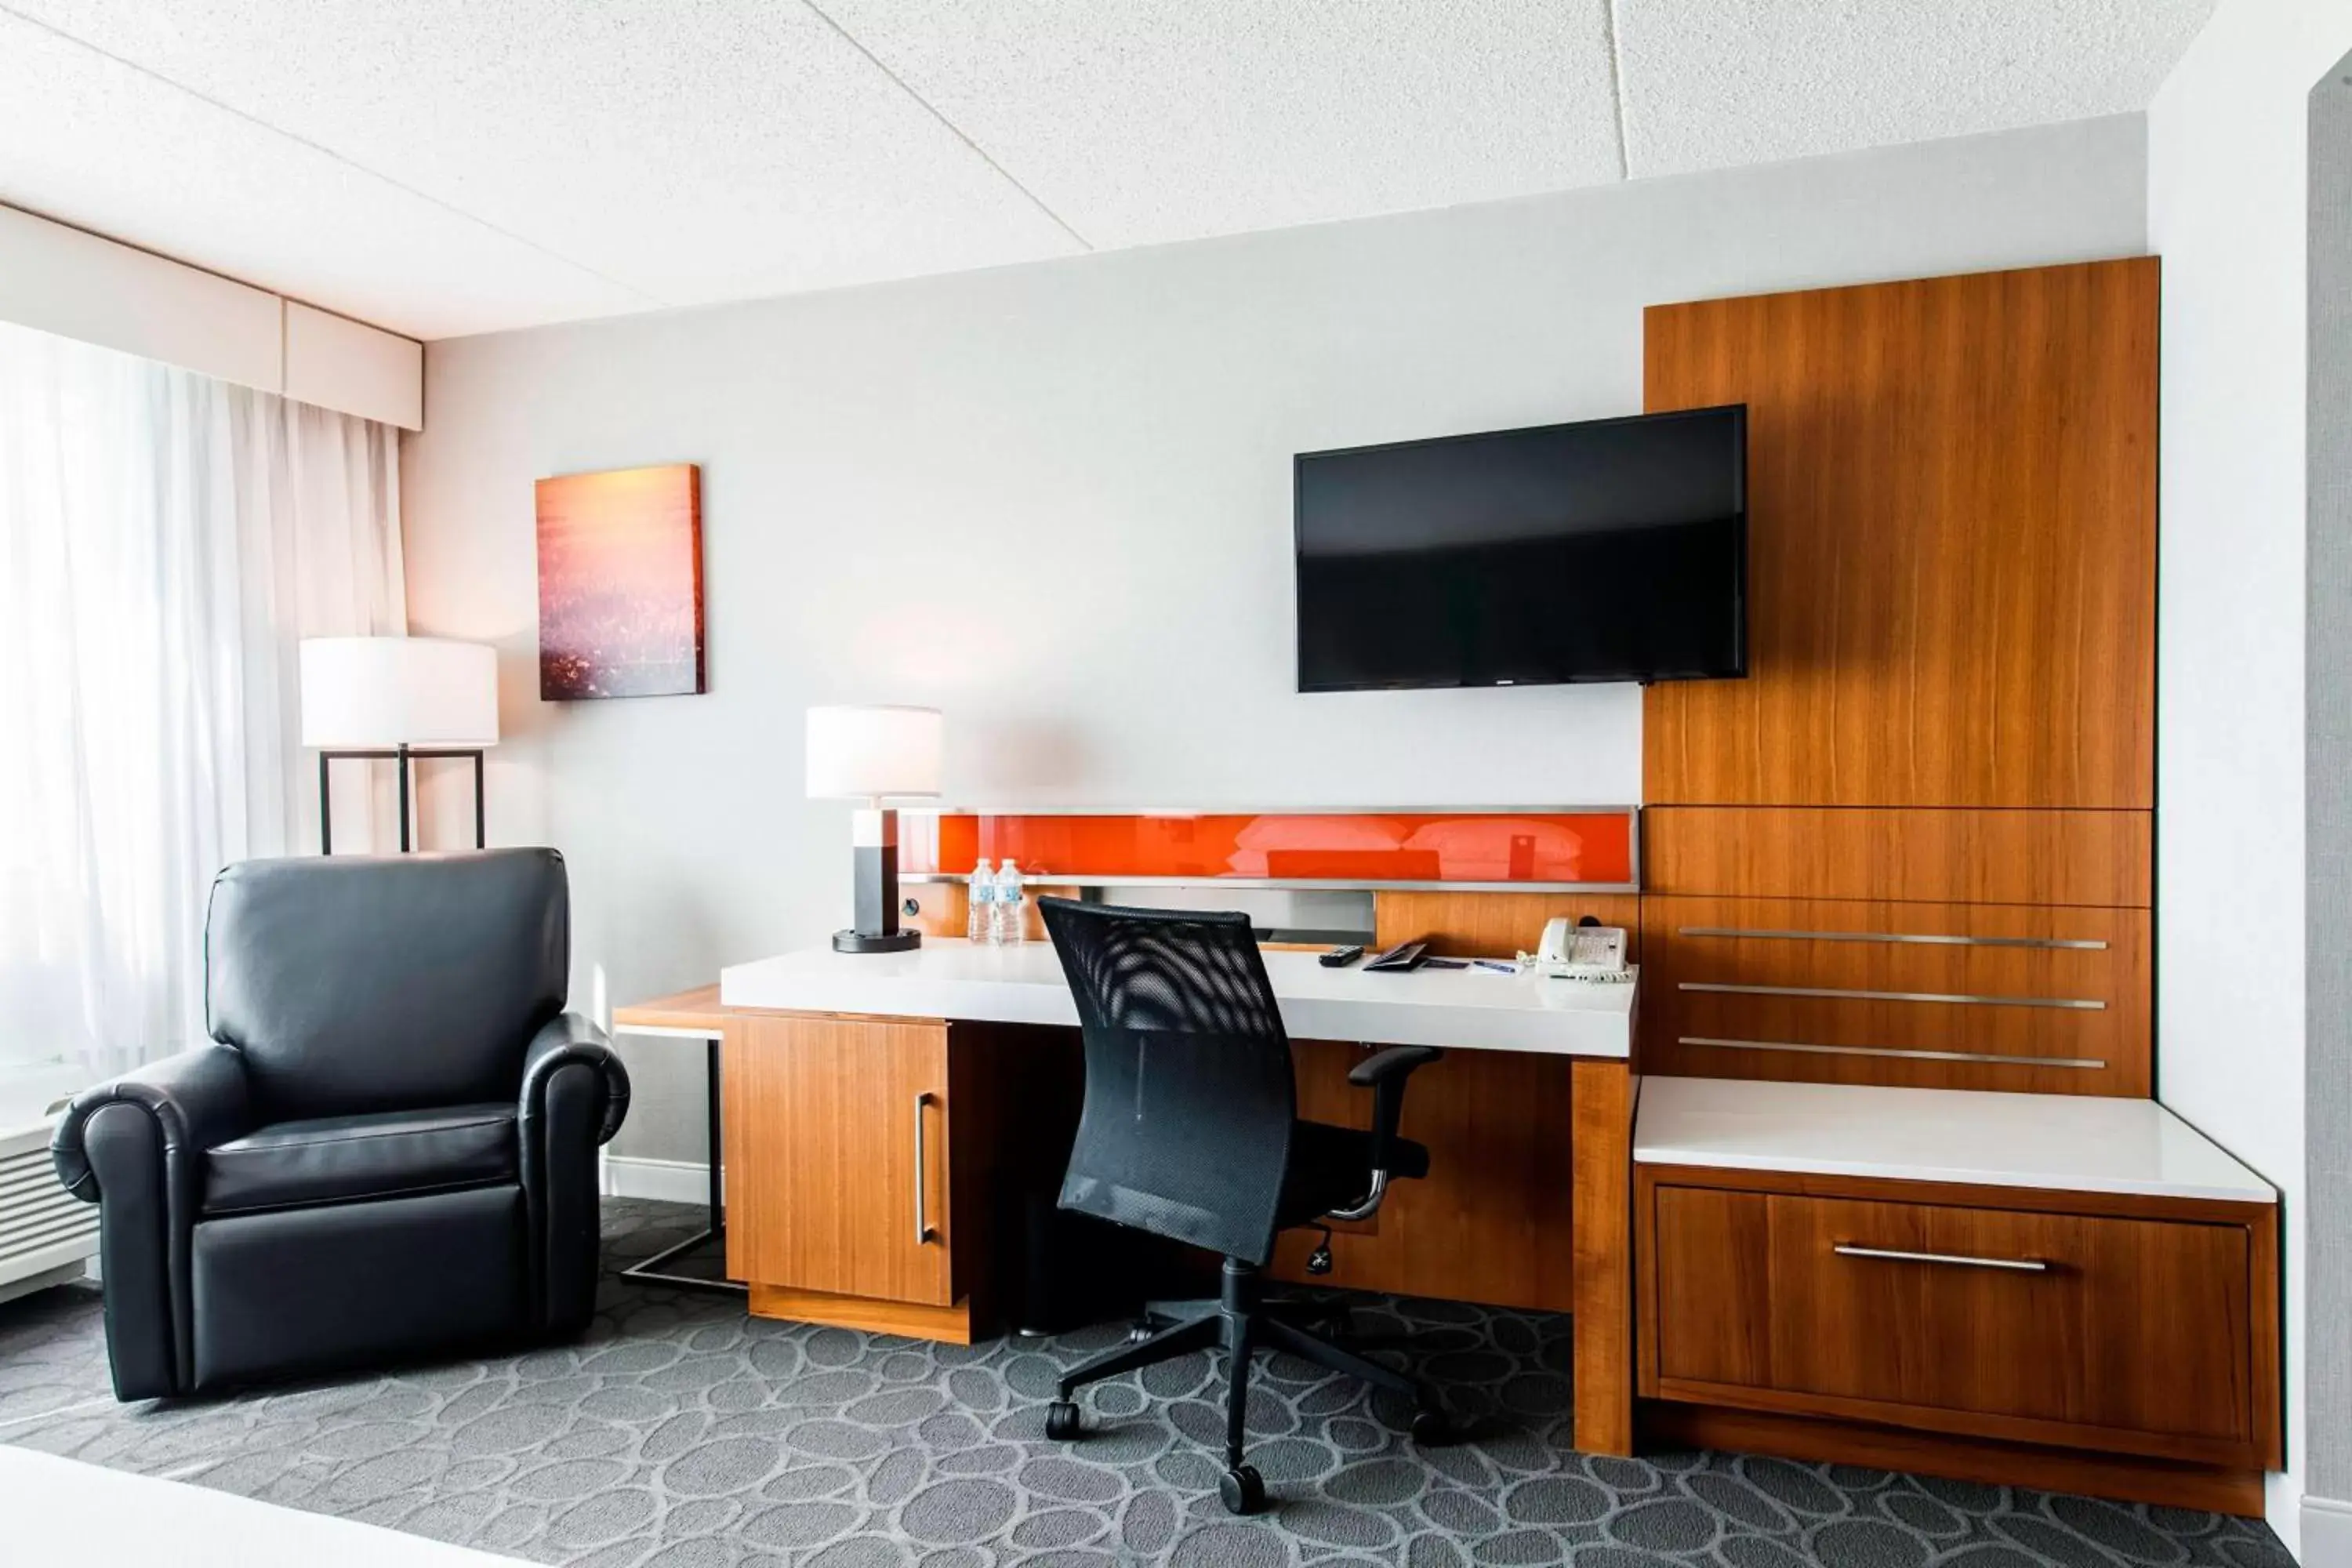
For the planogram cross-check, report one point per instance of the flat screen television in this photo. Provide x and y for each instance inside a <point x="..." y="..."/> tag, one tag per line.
<point x="1608" y="550"/>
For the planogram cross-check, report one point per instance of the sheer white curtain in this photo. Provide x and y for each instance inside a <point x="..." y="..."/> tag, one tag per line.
<point x="165" y="538"/>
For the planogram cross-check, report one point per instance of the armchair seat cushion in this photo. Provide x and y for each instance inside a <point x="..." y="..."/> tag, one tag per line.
<point x="342" y="1159"/>
<point x="1331" y="1167"/>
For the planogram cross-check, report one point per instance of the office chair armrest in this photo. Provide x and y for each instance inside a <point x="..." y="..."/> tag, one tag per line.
<point x="1393" y="1063"/>
<point x="562" y="1041"/>
<point x="1384" y="1073"/>
<point x="196" y="1098"/>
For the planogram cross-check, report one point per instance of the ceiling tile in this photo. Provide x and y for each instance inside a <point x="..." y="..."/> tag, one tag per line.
<point x="695" y="150"/>
<point x="89" y="141"/>
<point x="1752" y="81"/>
<point x="1141" y="122"/>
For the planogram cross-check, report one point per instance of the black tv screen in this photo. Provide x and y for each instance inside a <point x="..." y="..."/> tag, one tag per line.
<point x="1610" y="550"/>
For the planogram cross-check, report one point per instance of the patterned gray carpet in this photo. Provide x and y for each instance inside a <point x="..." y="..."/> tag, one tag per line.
<point x="682" y="1434"/>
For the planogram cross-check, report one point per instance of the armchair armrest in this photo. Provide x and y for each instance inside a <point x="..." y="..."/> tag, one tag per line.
<point x="196" y="1099"/>
<point x="135" y="1146"/>
<point x="562" y="1041"/>
<point x="575" y="1093"/>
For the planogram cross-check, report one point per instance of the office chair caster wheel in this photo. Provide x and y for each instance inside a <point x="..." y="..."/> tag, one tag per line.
<point x="1062" y="1420"/>
<point x="1431" y="1429"/>
<point x="1242" y="1489"/>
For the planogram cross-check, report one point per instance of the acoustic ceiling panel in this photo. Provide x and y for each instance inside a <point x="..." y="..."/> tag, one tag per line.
<point x="450" y="167"/>
<point x="1712" y="86"/>
<point x="88" y="140"/>
<point x="689" y="150"/>
<point x="1139" y="124"/>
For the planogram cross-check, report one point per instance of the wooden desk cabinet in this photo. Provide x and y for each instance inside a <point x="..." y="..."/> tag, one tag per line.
<point x="864" y="1155"/>
<point x="848" y="1195"/>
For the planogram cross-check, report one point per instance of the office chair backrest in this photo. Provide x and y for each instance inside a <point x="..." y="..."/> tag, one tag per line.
<point x="1185" y="1131"/>
<point x="357" y="984"/>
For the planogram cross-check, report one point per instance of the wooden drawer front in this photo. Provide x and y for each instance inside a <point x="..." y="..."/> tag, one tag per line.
<point x="1958" y="856"/>
<point x="2132" y="1335"/>
<point x="834" y="1126"/>
<point x="1920" y="996"/>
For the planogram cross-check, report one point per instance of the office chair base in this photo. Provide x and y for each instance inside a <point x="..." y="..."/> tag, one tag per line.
<point x="1241" y="1324"/>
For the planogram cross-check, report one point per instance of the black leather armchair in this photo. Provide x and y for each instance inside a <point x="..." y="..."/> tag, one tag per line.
<point x="388" y="1151"/>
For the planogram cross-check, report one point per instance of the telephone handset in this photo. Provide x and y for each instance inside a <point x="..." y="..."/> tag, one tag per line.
<point x="1573" y="951"/>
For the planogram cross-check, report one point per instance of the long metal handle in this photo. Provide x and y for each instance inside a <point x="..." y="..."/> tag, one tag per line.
<point x="2015" y="1265"/>
<point x="923" y="1231"/>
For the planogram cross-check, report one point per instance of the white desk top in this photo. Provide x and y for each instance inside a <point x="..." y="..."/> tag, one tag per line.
<point x="2065" y="1142"/>
<point x="948" y="977"/>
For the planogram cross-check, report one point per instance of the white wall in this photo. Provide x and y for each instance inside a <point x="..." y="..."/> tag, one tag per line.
<point x="73" y="284"/>
<point x="1097" y="453"/>
<point x="2226" y="210"/>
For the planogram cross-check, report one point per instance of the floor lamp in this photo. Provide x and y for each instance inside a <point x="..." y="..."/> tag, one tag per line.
<point x="395" y="700"/>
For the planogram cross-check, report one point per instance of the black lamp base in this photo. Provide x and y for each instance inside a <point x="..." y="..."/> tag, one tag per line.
<point x="876" y="942"/>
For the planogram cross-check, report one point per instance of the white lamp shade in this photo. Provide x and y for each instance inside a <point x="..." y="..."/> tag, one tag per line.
<point x="865" y="753"/>
<point x="369" y="693"/>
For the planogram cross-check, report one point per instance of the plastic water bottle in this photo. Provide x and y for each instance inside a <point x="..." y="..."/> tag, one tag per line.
<point x="978" y="894"/>
<point x="1008" y="913"/>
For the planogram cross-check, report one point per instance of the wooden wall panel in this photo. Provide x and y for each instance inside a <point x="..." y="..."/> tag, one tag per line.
<point x="1491" y="925"/>
<point x="1923" y="984"/>
<point x="1952" y="542"/>
<point x="2092" y="857"/>
<point x="1492" y="1221"/>
<point x="942" y="907"/>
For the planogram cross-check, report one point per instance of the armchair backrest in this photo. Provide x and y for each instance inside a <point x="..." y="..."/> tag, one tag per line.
<point x="358" y="983"/>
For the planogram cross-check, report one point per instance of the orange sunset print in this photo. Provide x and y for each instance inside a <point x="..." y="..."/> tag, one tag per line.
<point x="620" y="584"/>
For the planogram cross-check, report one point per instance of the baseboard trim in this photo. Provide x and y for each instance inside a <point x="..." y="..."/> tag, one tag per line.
<point x="63" y="1274"/>
<point x="665" y="1181"/>
<point x="1663" y="1425"/>
<point x="2326" y="1532"/>
<point x="914" y="1320"/>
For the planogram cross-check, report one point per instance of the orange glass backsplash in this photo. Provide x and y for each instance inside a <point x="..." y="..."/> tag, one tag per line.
<point x="1343" y="846"/>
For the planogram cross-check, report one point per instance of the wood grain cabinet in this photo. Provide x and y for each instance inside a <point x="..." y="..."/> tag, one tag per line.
<point x="2127" y="1326"/>
<point x="864" y="1157"/>
<point x="841" y="1130"/>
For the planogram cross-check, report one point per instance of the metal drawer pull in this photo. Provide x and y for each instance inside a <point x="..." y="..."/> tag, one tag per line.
<point x="1935" y="940"/>
<point x="2014" y="1265"/>
<point x="1839" y="993"/>
<point x="923" y="1231"/>
<point x="1908" y="1053"/>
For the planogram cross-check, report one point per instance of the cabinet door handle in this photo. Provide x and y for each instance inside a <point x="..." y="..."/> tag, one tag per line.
<point x="2015" y="1265"/>
<point x="923" y="1231"/>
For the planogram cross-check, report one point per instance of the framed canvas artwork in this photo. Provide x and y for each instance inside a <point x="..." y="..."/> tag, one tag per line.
<point x="620" y="584"/>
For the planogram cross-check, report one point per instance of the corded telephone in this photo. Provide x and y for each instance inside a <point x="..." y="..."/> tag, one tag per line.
<point x="1573" y="951"/>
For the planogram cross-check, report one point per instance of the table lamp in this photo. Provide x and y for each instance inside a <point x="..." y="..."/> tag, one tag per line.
<point x="866" y="753"/>
<point x="398" y="699"/>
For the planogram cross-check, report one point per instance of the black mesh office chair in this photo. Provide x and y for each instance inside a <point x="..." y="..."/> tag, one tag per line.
<point x="1191" y="1130"/>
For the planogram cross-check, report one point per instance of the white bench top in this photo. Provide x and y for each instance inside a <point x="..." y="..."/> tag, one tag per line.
<point x="948" y="977"/>
<point x="2062" y="1141"/>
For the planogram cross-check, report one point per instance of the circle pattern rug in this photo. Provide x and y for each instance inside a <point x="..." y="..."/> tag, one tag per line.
<point x="682" y="1434"/>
